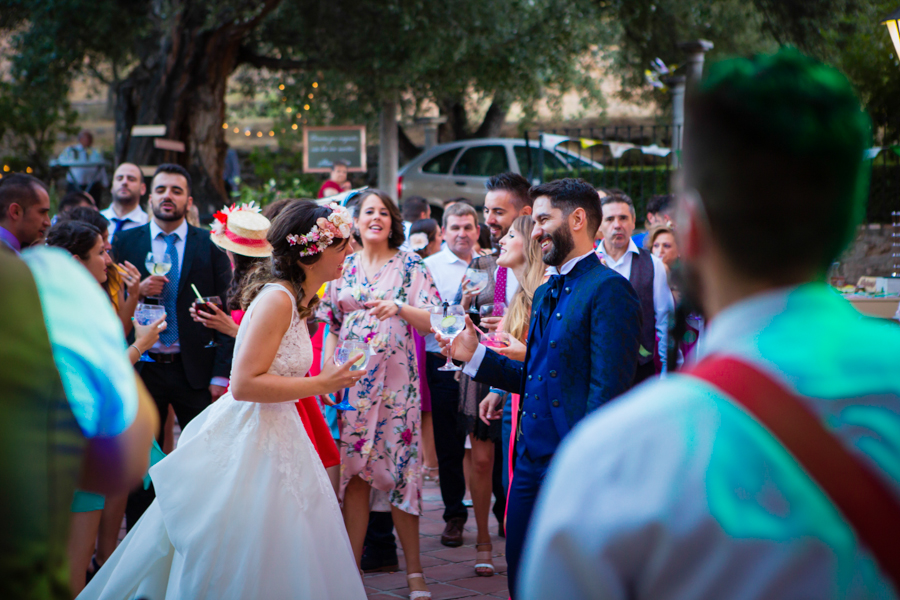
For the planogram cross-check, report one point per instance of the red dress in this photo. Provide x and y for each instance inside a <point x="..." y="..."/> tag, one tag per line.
<point x="308" y="408"/>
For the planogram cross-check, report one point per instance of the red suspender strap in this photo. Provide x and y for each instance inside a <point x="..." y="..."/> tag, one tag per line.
<point x="859" y="494"/>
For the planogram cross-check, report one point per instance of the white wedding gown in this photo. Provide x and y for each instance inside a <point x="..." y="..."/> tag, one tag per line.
<point x="243" y="509"/>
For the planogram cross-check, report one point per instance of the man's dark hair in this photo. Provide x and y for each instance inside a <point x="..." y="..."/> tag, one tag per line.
<point x="74" y="199"/>
<point x="19" y="188"/>
<point x="414" y="208"/>
<point x="611" y="191"/>
<point x="513" y="183"/>
<point x="774" y="150"/>
<point x="340" y="162"/>
<point x="619" y="198"/>
<point x="176" y="170"/>
<point x="659" y="204"/>
<point x="569" y="194"/>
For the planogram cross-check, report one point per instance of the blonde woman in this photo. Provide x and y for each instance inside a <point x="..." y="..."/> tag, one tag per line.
<point x="522" y="254"/>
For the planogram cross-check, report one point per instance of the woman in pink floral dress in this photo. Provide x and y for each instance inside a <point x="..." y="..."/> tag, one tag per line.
<point x="379" y="299"/>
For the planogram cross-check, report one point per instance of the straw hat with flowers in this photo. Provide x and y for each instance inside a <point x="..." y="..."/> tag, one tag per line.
<point x="242" y="230"/>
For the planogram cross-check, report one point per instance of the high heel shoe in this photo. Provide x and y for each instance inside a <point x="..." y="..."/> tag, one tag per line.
<point x="417" y="594"/>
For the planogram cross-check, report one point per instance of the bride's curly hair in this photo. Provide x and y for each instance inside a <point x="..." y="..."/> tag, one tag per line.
<point x="297" y="218"/>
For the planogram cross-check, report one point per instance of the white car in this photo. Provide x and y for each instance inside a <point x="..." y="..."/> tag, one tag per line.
<point x="460" y="169"/>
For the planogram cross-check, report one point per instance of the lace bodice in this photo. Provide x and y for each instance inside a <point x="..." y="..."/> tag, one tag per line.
<point x="295" y="354"/>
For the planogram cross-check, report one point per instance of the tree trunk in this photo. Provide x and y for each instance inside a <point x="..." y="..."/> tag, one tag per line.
<point x="493" y="118"/>
<point x="456" y="127"/>
<point x="181" y="84"/>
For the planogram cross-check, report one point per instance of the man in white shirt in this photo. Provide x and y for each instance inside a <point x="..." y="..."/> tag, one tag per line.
<point x="125" y="211"/>
<point x="677" y="491"/>
<point x="187" y="373"/>
<point x="647" y="275"/>
<point x="87" y="170"/>
<point x="447" y="267"/>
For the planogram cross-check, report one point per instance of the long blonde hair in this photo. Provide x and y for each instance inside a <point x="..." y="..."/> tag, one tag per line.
<point x="519" y="313"/>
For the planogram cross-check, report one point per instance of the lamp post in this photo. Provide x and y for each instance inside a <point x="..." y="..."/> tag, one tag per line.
<point x="892" y="24"/>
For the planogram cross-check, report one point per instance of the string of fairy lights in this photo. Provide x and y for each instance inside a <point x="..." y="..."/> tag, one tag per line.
<point x="248" y="132"/>
<point x="298" y="115"/>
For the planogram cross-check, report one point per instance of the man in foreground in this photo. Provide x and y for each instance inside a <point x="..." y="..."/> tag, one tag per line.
<point x="573" y="365"/>
<point x="677" y="490"/>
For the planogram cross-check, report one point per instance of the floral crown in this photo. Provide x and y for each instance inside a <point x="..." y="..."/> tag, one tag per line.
<point x="220" y="218"/>
<point x="323" y="233"/>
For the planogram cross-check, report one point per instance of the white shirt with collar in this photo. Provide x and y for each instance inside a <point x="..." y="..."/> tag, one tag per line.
<point x="135" y="218"/>
<point x="158" y="246"/>
<point x="405" y="247"/>
<point x="663" y="303"/>
<point x="447" y="270"/>
<point x="471" y="368"/>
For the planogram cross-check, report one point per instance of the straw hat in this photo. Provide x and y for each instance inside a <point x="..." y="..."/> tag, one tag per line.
<point x="242" y="230"/>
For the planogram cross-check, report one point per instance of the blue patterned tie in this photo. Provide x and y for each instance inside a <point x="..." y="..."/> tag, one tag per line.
<point x="170" y="292"/>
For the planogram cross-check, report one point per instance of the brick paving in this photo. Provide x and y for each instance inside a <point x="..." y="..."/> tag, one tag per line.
<point x="449" y="572"/>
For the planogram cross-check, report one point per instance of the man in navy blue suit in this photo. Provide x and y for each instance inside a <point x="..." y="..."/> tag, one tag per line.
<point x="582" y="345"/>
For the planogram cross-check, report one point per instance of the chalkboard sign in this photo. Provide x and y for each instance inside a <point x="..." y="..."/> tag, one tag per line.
<point x="324" y="145"/>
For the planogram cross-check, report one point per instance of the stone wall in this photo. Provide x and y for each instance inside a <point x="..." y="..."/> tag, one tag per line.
<point x="869" y="254"/>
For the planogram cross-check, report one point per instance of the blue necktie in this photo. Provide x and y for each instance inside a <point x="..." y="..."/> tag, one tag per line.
<point x="170" y="292"/>
<point x="119" y="224"/>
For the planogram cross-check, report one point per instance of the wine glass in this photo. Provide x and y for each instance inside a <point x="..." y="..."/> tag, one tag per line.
<point x="358" y="352"/>
<point x="157" y="267"/>
<point x="145" y="314"/>
<point x="449" y="321"/>
<point x="205" y="303"/>
<point x="497" y="309"/>
<point x="474" y="282"/>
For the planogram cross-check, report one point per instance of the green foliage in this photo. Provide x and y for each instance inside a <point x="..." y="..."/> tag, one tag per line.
<point x="369" y="51"/>
<point x="275" y="175"/>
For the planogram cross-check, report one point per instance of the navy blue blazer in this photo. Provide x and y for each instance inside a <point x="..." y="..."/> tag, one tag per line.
<point x="588" y="350"/>
<point x="208" y="268"/>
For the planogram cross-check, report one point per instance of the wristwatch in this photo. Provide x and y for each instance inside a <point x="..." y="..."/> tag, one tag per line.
<point x="400" y="304"/>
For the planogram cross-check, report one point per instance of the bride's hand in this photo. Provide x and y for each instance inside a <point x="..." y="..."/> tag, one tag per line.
<point x="337" y="378"/>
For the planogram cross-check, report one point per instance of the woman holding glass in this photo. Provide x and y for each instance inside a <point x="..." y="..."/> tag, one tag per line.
<point x="379" y="299"/>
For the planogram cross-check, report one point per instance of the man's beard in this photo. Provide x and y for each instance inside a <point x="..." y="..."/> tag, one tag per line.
<point x="127" y="198"/>
<point x="561" y="245"/>
<point x="176" y="215"/>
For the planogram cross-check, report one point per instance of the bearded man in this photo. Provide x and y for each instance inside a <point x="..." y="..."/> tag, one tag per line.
<point x="186" y="371"/>
<point x="582" y="346"/>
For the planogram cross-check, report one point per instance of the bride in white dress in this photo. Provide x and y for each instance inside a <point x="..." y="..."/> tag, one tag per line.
<point x="244" y="508"/>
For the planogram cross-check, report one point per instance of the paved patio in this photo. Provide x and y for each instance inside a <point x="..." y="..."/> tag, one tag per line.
<point x="449" y="572"/>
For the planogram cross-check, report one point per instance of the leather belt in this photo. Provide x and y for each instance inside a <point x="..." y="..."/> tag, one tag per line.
<point x="165" y="357"/>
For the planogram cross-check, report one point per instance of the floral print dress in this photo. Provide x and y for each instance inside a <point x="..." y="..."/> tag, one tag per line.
<point x="380" y="440"/>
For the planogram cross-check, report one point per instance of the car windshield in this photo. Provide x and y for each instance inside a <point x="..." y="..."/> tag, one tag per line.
<point x="440" y="164"/>
<point x="482" y="161"/>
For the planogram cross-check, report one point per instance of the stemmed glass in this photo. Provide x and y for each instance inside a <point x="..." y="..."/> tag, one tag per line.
<point x="358" y="352"/>
<point x="145" y="314"/>
<point x="157" y="267"/>
<point x="497" y="309"/>
<point x="449" y="321"/>
<point x="474" y="282"/>
<point x="206" y="303"/>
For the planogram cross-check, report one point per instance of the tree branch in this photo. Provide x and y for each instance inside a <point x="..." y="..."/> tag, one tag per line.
<point x="245" y="55"/>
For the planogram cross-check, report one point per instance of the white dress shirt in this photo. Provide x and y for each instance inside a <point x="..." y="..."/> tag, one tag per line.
<point x="471" y="368"/>
<point x="447" y="270"/>
<point x="405" y="247"/>
<point x="512" y="284"/>
<point x="158" y="246"/>
<point x="663" y="303"/>
<point x="135" y="218"/>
